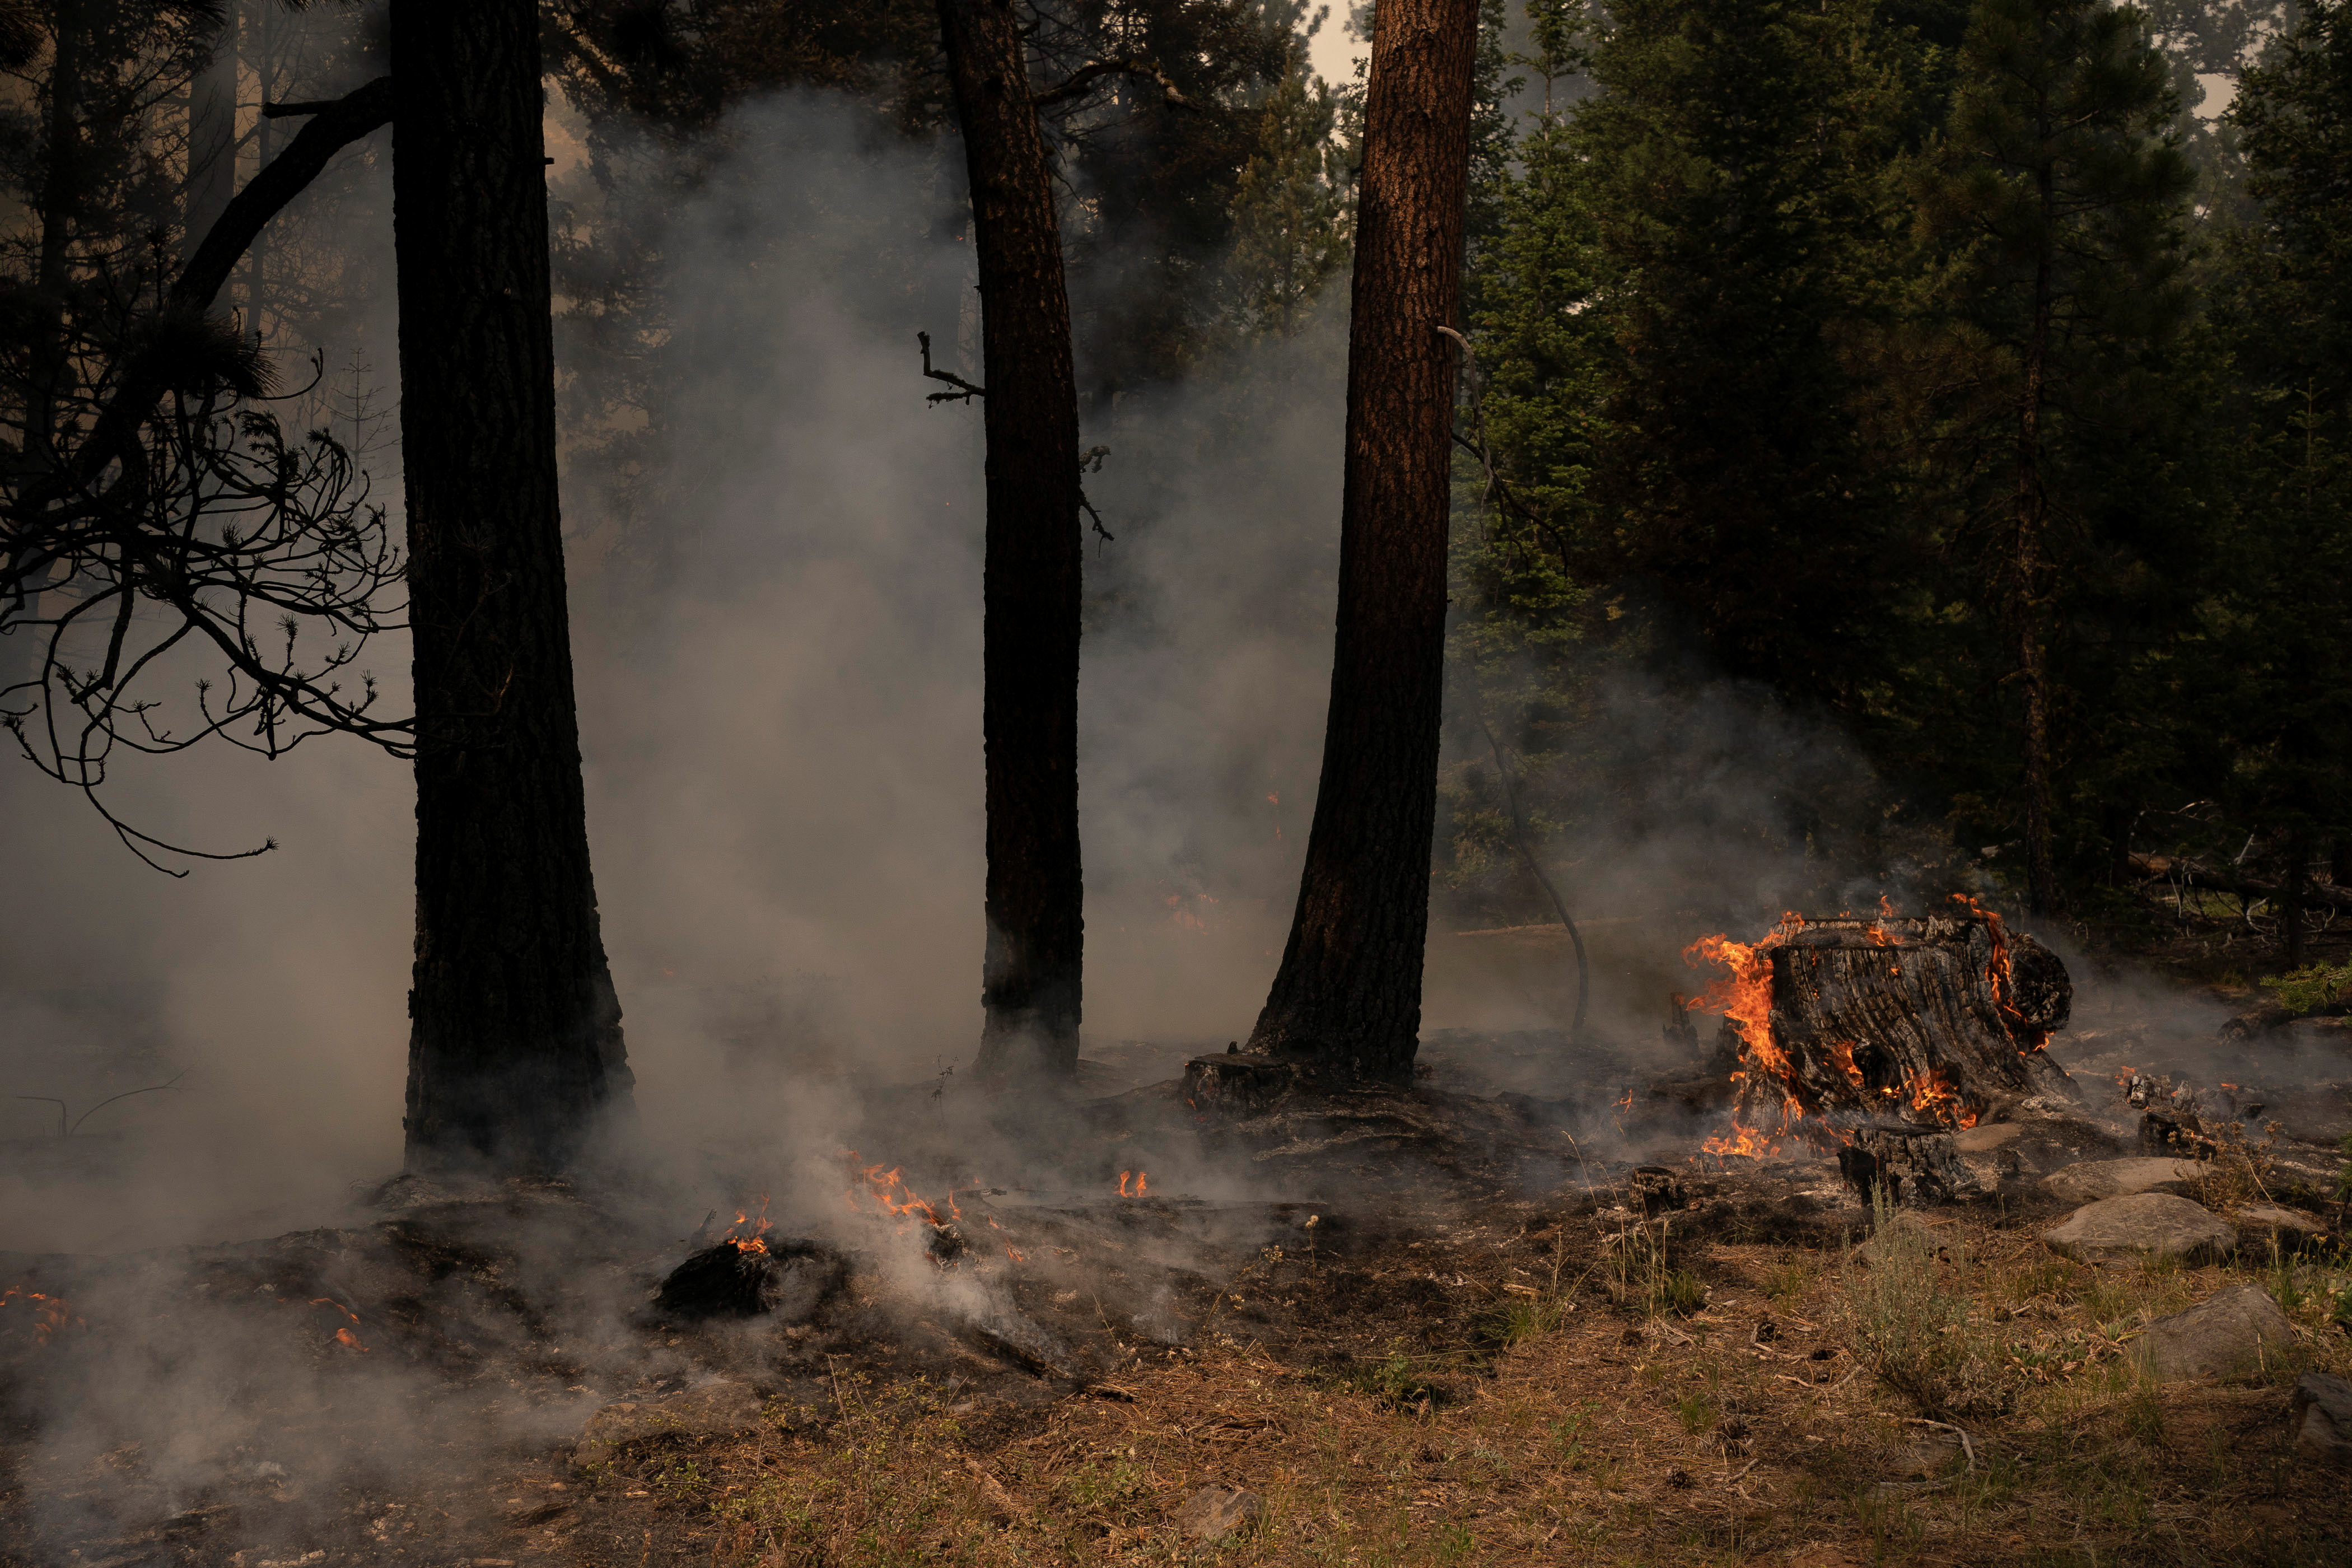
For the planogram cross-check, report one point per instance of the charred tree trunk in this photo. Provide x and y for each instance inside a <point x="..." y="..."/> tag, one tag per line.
<point x="1031" y="582"/>
<point x="2029" y="511"/>
<point x="1348" y="996"/>
<point x="515" y="1036"/>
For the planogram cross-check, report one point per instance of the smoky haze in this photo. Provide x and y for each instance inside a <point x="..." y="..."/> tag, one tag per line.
<point x="778" y="644"/>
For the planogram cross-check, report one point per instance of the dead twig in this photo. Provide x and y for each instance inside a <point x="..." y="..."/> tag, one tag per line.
<point x="966" y="390"/>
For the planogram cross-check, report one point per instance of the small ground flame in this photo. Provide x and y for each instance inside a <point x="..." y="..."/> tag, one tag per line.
<point x="50" y="1313"/>
<point x="882" y="1187"/>
<point x="1141" y="1185"/>
<point x="749" y="1232"/>
<point x="345" y="1334"/>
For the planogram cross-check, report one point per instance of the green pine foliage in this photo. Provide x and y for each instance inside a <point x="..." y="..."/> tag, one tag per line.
<point x="1761" y="299"/>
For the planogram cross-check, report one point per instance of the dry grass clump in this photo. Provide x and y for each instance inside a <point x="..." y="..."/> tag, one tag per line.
<point x="1906" y="1297"/>
<point x="1642" y="1277"/>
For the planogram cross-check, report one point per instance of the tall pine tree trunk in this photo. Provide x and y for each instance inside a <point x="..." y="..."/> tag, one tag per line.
<point x="1348" y="996"/>
<point x="515" y="1040"/>
<point x="1032" y="581"/>
<point x="2028" y="512"/>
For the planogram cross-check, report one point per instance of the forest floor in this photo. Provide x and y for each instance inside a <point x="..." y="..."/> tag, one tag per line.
<point x="1430" y="1332"/>
<point x="1526" y="1385"/>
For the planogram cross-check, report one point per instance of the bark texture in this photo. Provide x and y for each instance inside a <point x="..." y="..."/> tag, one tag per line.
<point x="1037" y="929"/>
<point x="1930" y="1022"/>
<point x="515" y="1040"/>
<point x="1348" y="996"/>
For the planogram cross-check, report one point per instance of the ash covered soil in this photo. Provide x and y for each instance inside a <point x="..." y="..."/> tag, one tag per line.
<point x="1464" y="1322"/>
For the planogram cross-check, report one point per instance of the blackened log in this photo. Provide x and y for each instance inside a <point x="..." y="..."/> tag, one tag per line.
<point x="2227" y="880"/>
<point x="789" y="1279"/>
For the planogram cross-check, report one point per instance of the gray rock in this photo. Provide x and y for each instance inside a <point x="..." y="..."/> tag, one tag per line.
<point x="1986" y="1137"/>
<point x="1214" y="1513"/>
<point x="1923" y="1455"/>
<point x="2232" y="1334"/>
<point x="2141" y="1226"/>
<point x="716" y="1409"/>
<point x="2321" y="1417"/>
<point x="2092" y="1180"/>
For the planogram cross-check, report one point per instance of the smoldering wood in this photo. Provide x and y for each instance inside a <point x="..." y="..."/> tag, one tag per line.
<point x="782" y="1278"/>
<point x="1933" y="1020"/>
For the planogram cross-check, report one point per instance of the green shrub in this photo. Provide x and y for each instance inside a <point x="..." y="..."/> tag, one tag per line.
<point x="2312" y="987"/>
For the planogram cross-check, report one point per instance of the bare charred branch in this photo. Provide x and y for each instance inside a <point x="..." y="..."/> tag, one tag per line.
<point x="1081" y="80"/>
<point x="967" y="390"/>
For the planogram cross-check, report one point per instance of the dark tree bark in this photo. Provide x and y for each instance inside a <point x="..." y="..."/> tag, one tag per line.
<point x="1348" y="996"/>
<point x="1030" y="976"/>
<point x="515" y="1040"/>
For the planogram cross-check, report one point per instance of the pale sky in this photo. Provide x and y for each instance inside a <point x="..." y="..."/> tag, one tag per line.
<point x="1332" y="52"/>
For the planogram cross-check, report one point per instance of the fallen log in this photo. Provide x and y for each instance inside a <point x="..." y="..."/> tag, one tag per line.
<point x="2227" y="880"/>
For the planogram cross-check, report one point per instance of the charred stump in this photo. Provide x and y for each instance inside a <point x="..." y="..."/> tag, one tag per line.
<point x="789" y="1279"/>
<point x="1844" y="1025"/>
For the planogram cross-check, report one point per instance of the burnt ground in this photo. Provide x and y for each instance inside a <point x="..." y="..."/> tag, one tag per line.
<point x="1422" y="1326"/>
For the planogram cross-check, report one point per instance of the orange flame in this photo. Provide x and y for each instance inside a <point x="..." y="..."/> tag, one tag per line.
<point x="1141" y="1185"/>
<point x="1744" y="995"/>
<point x="755" y="1238"/>
<point x="344" y="1334"/>
<point x="50" y="1313"/>
<point x="2000" y="976"/>
<point x="1933" y="1096"/>
<point x="1745" y="1143"/>
<point x="891" y="1195"/>
<point x="1841" y="1053"/>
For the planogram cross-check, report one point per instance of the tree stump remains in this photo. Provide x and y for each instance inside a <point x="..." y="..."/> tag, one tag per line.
<point x="1840" y="1025"/>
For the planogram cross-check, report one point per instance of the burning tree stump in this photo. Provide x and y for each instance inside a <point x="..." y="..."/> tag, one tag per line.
<point x="1843" y="1025"/>
<point x="749" y="1272"/>
<point x="789" y="1279"/>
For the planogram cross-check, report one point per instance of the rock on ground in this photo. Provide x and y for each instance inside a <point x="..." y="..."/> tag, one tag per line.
<point x="2232" y="1334"/>
<point x="1214" y="1512"/>
<point x="715" y="1409"/>
<point x="2092" y="1180"/>
<point x="2139" y="1227"/>
<point x="2321" y="1417"/>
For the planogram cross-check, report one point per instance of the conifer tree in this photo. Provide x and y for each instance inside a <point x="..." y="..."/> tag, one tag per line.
<point x="2059" y="189"/>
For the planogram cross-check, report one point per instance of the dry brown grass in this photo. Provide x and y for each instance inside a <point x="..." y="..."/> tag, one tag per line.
<point x="1576" y="1431"/>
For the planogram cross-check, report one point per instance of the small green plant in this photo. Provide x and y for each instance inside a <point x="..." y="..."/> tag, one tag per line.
<point x="2143" y="1412"/>
<point x="1568" y="1435"/>
<point x="1394" y="1379"/>
<point x="1697" y="1412"/>
<point x="2312" y="987"/>
<point x="1516" y="1320"/>
<point x="1095" y="1486"/>
<point x="1786" y="1284"/>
